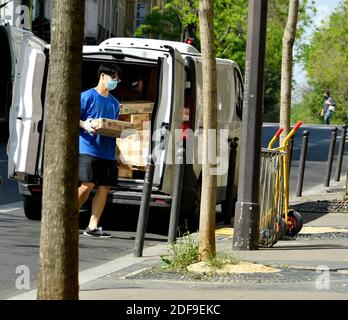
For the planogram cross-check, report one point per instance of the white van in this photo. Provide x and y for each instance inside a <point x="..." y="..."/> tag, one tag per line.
<point x="171" y="73"/>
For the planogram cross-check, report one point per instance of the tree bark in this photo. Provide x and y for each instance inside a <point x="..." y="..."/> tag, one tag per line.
<point x="209" y="179"/>
<point x="287" y="66"/>
<point x="58" y="265"/>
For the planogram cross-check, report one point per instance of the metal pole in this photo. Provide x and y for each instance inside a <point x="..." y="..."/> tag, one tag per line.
<point x="144" y="208"/>
<point x="176" y="202"/>
<point x="302" y="165"/>
<point x="230" y="204"/>
<point x="331" y="156"/>
<point x="247" y="219"/>
<point x="340" y="153"/>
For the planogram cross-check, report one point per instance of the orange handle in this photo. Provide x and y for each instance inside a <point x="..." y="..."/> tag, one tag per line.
<point x="291" y="134"/>
<point x="279" y="132"/>
<point x="298" y="124"/>
<point x="275" y="137"/>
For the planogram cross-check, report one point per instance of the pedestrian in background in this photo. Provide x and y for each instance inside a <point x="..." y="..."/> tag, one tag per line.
<point x="328" y="107"/>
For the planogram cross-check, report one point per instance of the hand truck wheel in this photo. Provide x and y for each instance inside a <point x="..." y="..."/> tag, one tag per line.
<point x="294" y="223"/>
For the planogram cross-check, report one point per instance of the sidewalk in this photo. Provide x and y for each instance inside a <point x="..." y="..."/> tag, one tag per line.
<point x="314" y="266"/>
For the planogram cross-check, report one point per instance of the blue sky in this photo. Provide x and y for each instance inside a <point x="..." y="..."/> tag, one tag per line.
<point x="324" y="9"/>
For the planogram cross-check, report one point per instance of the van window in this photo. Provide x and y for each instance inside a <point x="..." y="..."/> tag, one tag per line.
<point x="189" y="95"/>
<point x="225" y="93"/>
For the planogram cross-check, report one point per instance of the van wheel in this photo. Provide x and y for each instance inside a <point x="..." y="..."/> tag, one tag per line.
<point x="189" y="218"/>
<point x="32" y="208"/>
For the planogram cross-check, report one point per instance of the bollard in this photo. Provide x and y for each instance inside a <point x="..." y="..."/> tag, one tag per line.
<point x="340" y="153"/>
<point x="302" y="164"/>
<point x="144" y="208"/>
<point x="330" y="156"/>
<point x="229" y="202"/>
<point x="176" y="202"/>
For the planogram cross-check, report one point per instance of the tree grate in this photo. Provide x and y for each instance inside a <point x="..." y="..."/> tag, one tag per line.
<point x="322" y="206"/>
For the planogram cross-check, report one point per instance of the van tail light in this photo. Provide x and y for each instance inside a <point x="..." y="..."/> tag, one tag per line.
<point x="160" y="201"/>
<point x="35" y="189"/>
<point x="185" y="130"/>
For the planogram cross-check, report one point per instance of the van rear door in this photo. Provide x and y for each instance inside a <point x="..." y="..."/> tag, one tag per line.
<point x="169" y="117"/>
<point x="26" y="109"/>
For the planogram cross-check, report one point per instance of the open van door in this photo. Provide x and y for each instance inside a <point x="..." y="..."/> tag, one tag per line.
<point x="26" y="110"/>
<point x="6" y="79"/>
<point x="168" y="119"/>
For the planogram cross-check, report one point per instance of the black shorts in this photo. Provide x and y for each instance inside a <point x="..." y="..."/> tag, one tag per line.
<point x="101" y="172"/>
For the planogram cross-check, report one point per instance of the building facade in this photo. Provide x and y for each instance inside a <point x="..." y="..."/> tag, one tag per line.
<point x="103" y="18"/>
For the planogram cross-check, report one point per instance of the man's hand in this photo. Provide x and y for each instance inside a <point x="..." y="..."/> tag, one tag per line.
<point x="88" y="127"/>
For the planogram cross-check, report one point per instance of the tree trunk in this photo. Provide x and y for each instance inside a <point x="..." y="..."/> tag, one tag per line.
<point x="58" y="267"/>
<point x="208" y="204"/>
<point x="287" y="66"/>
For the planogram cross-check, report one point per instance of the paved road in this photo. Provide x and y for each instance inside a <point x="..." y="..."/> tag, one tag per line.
<point x="19" y="239"/>
<point x="9" y="189"/>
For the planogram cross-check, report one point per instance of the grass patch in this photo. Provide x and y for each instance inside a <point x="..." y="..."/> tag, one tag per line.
<point x="181" y="254"/>
<point x="185" y="252"/>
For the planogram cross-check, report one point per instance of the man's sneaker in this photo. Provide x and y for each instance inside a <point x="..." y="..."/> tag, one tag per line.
<point x="96" y="233"/>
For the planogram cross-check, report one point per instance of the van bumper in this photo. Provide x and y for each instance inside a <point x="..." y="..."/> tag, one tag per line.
<point x="134" y="198"/>
<point x="115" y="196"/>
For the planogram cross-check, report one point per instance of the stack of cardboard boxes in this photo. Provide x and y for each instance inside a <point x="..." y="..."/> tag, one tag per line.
<point x="133" y="149"/>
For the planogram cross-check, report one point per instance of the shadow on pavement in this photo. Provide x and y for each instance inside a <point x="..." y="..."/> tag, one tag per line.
<point x="310" y="247"/>
<point x="311" y="211"/>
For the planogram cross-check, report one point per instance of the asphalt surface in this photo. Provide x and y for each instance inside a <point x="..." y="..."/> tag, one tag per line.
<point x="19" y="239"/>
<point x="9" y="189"/>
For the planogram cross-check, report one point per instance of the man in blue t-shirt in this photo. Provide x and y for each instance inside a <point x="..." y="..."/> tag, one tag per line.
<point x="97" y="153"/>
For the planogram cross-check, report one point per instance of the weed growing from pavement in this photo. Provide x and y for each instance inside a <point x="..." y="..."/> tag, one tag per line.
<point x="181" y="254"/>
<point x="185" y="252"/>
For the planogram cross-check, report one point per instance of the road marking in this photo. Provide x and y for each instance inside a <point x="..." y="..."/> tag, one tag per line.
<point x="6" y="208"/>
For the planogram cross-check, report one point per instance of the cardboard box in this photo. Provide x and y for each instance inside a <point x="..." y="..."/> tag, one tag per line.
<point x="135" y="118"/>
<point x="133" y="150"/>
<point x="125" y="172"/>
<point x="136" y="107"/>
<point x="112" y="128"/>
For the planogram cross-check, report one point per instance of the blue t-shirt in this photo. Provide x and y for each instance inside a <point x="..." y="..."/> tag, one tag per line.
<point x="95" y="106"/>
